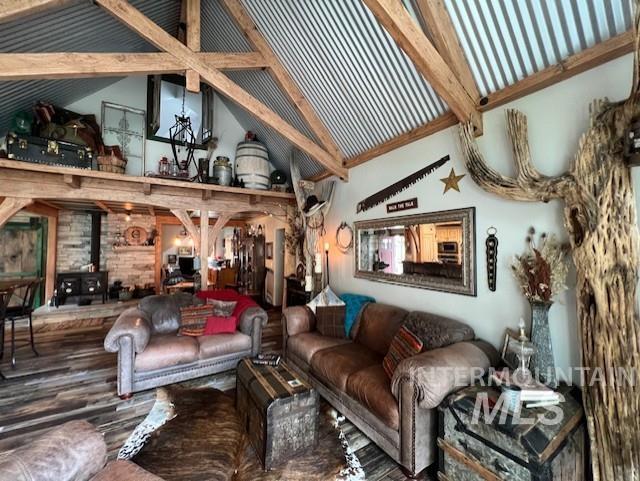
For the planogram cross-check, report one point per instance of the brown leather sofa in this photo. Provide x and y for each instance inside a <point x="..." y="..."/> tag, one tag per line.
<point x="151" y="354"/>
<point x="75" y="451"/>
<point x="398" y="414"/>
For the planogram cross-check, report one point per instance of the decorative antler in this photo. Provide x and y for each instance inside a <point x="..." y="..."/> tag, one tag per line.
<point x="529" y="185"/>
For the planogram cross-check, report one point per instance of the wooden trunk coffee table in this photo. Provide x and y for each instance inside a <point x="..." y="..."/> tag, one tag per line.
<point x="278" y="410"/>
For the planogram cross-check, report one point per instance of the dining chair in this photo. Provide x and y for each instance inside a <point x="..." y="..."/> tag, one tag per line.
<point x="5" y="297"/>
<point x="25" y="310"/>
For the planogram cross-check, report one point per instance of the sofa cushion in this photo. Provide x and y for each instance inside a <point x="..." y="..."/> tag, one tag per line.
<point x="404" y="345"/>
<point x="306" y="344"/>
<point x="222" y="308"/>
<point x="166" y="350"/>
<point x="371" y="387"/>
<point x="377" y="325"/>
<point x="221" y="344"/>
<point x="164" y="311"/>
<point x="220" y="325"/>
<point x="330" y="321"/>
<point x="437" y="331"/>
<point x="193" y="320"/>
<point x="122" y="470"/>
<point x="335" y="364"/>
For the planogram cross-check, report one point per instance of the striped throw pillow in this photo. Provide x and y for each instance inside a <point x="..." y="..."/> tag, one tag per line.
<point x="193" y="319"/>
<point x="405" y="344"/>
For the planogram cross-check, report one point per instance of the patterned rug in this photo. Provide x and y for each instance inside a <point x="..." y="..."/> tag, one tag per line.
<point x="195" y="435"/>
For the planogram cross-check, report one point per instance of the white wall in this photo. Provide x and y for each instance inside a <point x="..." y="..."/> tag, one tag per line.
<point x="557" y="117"/>
<point x="132" y="92"/>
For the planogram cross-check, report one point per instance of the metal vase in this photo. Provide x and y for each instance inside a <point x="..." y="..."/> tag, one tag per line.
<point x="542" y="363"/>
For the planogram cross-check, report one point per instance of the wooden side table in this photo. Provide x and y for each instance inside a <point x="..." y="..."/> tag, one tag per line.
<point x="549" y="448"/>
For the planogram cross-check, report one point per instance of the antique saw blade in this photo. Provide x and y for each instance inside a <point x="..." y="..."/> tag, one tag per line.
<point x="393" y="189"/>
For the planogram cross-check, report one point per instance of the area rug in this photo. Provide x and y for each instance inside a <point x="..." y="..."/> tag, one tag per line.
<point x="196" y="435"/>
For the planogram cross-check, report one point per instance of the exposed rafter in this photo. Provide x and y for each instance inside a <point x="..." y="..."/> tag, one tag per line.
<point x="14" y="9"/>
<point x="10" y="206"/>
<point x="27" y="66"/>
<point x="146" y="28"/>
<point x="395" y="18"/>
<point x="192" y="40"/>
<point x="282" y="76"/>
<point x="445" y="39"/>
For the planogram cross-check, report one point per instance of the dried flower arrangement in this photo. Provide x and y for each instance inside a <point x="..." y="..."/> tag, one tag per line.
<point x="294" y="236"/>
<point x="542" y="270"/>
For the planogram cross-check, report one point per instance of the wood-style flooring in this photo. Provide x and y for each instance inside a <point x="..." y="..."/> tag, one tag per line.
<point x="75" y="378"/>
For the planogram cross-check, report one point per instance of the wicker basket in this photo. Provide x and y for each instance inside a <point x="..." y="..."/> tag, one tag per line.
<point x="111" y="163"/>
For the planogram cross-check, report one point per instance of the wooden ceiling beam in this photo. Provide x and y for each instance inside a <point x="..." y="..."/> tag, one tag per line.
<point x="40" y="208"/>
<point x="154" y="34"/>
<point x="10" y="206"/>
<point x="408" y="35"/>
<point x="104" y="207"/>
<point x="27" y="66"/>
<point x="445" y="39"/>
<point x="15" y="9"/>
<point x="193" y="34"/>
<point x="282" y="76"/>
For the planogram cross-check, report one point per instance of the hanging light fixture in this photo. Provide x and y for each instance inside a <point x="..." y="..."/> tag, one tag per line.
<point x="181" y="237"/>
<point x="127" y="217"/>
<point x="182" y="132"/>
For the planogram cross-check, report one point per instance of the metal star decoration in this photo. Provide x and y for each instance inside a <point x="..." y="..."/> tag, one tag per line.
<point x="451" y="182"/>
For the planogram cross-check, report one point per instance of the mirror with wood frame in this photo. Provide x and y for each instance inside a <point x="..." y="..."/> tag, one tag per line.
<point x="430" y="251"/>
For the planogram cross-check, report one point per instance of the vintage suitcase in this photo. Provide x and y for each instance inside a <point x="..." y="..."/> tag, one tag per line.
<point x="280" y="418"/>
<point x="40" y="150"/>
<point x="490" y="449"/>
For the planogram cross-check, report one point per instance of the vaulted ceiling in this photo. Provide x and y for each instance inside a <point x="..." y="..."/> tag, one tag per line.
<point x="361" y="85"/>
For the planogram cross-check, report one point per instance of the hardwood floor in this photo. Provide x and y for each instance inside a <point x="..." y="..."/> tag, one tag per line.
<point x="75" y="378"/>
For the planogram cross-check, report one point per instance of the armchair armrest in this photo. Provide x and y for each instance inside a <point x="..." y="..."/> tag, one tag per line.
<point x="438" y="372"/>
<point x="75" y="450"/>
<point x="298" y="319"/>
<point x="252" y="320"/>
<point x="133" y="323"/>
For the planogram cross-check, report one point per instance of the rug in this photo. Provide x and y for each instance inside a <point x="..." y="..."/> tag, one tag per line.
<point x="196" y="435"/>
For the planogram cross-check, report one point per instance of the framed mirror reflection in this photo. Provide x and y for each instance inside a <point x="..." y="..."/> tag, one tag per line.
<point x="430" y="251"/>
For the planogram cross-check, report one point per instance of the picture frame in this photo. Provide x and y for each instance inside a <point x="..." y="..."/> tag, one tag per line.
<point x="268" y="249"/>
<point x="185" y="251"/>
<point x="172" y="259"/>
<point x="509" y="358"/>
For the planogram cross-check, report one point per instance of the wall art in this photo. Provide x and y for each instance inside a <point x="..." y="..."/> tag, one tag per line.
<point x="393" y="189"/>
<point x="402" y="205"/>
<point x="492" y="257"/>
<point x="451" y="181"/>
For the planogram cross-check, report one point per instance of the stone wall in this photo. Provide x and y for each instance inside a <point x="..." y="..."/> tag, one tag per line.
<point x="131" y="265"/>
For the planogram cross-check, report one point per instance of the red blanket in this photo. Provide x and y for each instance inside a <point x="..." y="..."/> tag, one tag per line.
<point x="243" y="302"/>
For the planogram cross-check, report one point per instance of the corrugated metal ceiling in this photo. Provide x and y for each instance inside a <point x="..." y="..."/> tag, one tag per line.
<point x="507" y="40"/>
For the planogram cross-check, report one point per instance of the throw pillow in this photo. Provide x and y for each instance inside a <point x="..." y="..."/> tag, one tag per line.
<point x="330" y="321"/>
<point x="220" y="325"/>
<point x="354" y="304"/>
<point x="326" y="298"/>
<point x="222" y="308"/>
<point x="193" y="320"/>
<point x="404" y="345"/>
<point x="437" y="331"/>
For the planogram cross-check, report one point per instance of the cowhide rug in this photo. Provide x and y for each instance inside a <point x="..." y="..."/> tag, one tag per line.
<point x="195" y="435"/>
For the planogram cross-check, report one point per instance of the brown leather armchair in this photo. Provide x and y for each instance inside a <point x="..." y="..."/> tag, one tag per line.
<point x="398" y="414"/>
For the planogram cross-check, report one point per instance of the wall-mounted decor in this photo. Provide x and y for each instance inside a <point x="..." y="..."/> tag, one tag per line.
<point x="125" y="126"/>
<point x="172" y="259"/>
<point x="451" y="181"/>
<point x="393" y="189"/>
<point x="344" y="237"/>
<point x="135" y="236"/>
<point x="268" y="250"/>
<point x="492" y="257"/>
<point x="430" y="251"/>
<point x="185" y="251"/>
<point x="402" y="205"/>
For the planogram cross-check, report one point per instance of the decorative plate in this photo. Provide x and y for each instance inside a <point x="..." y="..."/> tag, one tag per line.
<point x="135" y="236"/>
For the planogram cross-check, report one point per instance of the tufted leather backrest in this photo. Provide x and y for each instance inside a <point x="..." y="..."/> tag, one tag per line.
<point x="376" y="326"/>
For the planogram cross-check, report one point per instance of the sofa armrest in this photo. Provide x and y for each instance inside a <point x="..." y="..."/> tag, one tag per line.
<point x="298" y="319"/>
<point x="252" y="320"/>
<point x="438" y="372"/>
<point x="133" y="323"/>
<point x="73" y="451"/>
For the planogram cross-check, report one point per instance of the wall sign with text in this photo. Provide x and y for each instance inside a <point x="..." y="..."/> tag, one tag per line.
<point x="402" y="205"/>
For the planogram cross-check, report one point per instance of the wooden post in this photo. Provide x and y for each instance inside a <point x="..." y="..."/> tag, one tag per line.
<point x="204" y="248"/>
<point x="52" y="256"/>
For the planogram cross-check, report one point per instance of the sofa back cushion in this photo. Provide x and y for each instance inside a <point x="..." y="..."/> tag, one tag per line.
<point x="377" y="325"/>
<point x="164" y="311"/>
<point x="437" y="331"/>
<point x="405" y="344"/>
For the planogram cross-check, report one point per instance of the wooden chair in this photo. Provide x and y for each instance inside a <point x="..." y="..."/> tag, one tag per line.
<point x="5" y="297"/>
